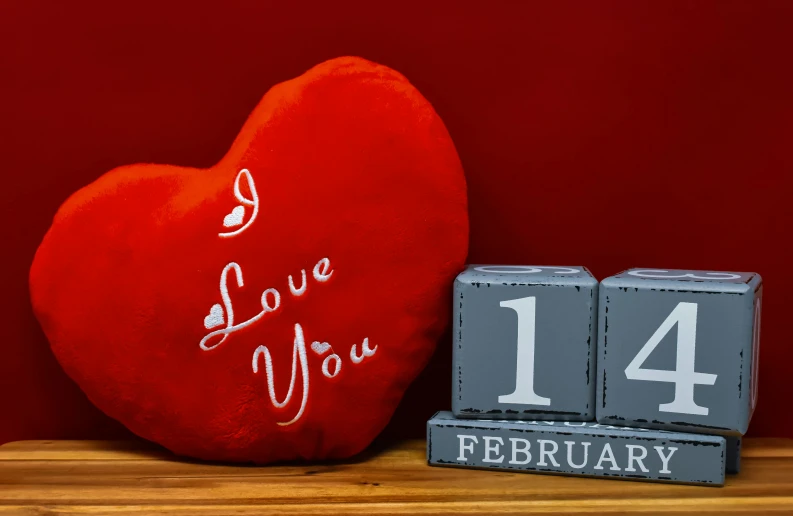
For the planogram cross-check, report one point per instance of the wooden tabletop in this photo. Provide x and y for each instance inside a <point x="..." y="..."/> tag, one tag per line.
<point x="102" y="477"/>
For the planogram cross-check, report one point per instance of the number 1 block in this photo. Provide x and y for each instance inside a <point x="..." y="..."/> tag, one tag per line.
<point x="678" y="350"/>
<point x="524" y="343"/>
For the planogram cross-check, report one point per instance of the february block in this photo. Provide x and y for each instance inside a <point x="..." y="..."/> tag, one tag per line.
<point x="573" y="448"/>
<point x="524" y="343"/>
<point x="678" y="350"/>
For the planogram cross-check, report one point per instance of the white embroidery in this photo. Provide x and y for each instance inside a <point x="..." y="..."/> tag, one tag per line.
<point x="276" y="298"/>
<point x="224" y="295"/>
<point x="336" y="368"/>
<point x="235" y="217"/>
<point x="322" y="275"/>
<point x="365" y="352"/>
<point x="298" y="351"/>
<point x="224" y="314"/>
<point x="320" y="347"/>
<point x="298" y="291"/>
<point x="215" y="317"/>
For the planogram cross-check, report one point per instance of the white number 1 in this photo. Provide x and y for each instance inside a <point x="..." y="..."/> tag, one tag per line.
<point x="524" y="393"/>
<point x="684" y="376"/>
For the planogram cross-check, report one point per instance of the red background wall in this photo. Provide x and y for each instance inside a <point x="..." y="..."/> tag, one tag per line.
<point x="609" y="134"/>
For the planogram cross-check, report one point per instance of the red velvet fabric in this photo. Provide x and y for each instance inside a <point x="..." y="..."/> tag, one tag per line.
<point x="612" y="134"/>
<point x="231" y="321"/>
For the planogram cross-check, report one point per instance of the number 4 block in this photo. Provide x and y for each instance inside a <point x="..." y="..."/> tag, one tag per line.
<point x="524" y="343"/>
<point x="678" y="350"/>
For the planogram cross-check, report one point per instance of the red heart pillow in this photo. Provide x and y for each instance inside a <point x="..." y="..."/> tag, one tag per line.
<point x="277" y="305"/>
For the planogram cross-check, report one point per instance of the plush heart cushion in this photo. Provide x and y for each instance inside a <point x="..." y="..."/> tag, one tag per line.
<point x="277" y="305"/>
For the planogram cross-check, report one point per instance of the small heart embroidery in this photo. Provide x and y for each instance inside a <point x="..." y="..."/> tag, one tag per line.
<point x="234" y="218"/>
<point x="215" y="317"/>
<point x="320" y="347"/>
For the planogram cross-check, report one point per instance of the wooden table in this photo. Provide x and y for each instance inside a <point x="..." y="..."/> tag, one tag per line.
<point x="101" y="477"/>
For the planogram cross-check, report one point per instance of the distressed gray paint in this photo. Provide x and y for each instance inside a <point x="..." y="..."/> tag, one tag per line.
<point x="485" y="343"/>
<point x="697" y="459"/>
<point x="631" y="309"/>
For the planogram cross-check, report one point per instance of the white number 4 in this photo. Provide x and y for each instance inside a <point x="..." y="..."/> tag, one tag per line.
<point x="684" y="376"/>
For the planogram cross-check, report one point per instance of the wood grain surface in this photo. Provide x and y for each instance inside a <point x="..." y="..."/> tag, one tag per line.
<point x="101" y="477"/>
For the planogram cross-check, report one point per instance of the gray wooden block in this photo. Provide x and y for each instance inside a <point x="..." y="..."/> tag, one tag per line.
<point x="524" y="343"/>
<point x="678" y="350"/>
<point x="576" y="448"/>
